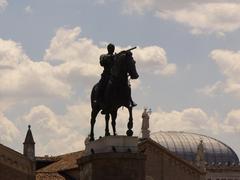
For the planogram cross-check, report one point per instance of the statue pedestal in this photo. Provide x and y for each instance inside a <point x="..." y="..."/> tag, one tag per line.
<point x="112" y="144"/>
<point x="112" y="157"/>
<point x="145" y="134"/>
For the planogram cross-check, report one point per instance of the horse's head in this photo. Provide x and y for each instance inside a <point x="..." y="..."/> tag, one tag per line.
<point x="124" y="65"/>
<point x="132" y="71"/>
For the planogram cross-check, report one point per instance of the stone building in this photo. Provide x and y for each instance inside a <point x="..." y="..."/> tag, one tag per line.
<point x="221" y="162"/>
<point x="162" y="164"/>
<point x="17" y="166"/>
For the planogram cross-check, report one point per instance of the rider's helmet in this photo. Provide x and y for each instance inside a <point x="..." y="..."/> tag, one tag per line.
<point x="110" y="48"/>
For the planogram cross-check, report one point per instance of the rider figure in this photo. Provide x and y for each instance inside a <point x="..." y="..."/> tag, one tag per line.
<point x="106" y="61"/>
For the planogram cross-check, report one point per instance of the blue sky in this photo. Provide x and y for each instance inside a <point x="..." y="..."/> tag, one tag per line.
<point x="187" y="58"/>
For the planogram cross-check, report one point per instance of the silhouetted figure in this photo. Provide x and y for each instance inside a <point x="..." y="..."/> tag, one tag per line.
<point x="106" y="61"/>
<point x="113" y="90"/>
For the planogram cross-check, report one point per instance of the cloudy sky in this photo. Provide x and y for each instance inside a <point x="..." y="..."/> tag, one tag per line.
<point x="188" y="60"/>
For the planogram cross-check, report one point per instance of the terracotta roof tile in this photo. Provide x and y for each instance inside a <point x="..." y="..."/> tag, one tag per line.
<point x="49" y="176"/>
<point x="67" y="161"/>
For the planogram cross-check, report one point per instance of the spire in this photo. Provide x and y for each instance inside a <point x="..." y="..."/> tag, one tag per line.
<point x="29" y="137"/>
<point x="29" y="145"/>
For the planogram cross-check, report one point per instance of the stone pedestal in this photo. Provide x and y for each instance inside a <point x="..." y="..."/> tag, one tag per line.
<point x="112" y="143"/>
<point x="145" y="134"/>
<point x="112" y="157"/>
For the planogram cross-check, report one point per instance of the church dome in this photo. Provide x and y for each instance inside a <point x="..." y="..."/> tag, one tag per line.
<point x="185" y="145"/>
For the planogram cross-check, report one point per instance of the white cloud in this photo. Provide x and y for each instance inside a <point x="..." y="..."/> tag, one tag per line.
<point x="206" y="18"/>
<point x="194" y="120"/>
<point x="55" y="133"/>
<point x="3" y="4"/>
<point x="202" y="17"/>
<point x="28" y="9"/>
<point x="138" y="6"/>
<point x="212" y="90"/>
<point x="75" y="55"/>
<point x="229" y="64"/>
<point x="60" y="133"/>
<point x="81" y="55"/>
<point x="8" y="130"/>
<point x="191" y="119"/>
<point x="52" y="134"/>
<point x="154" y="59"/>
<point x="45" y="119"/>
<point x="21" y="77"/>
<point x="232" y="121"/>
<point x="143" y="6"/>
<point x="11" y="54"/>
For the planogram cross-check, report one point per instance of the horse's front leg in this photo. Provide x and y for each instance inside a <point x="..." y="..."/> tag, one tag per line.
<point x="130" y="122"/>
<point x="107" y="117"/>
<point x="114" y="116"/>
<point x="93" y="120"/>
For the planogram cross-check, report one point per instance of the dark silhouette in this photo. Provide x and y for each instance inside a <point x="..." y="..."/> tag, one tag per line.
<point x="106" y="61"/>
<point x="114" y="90"/>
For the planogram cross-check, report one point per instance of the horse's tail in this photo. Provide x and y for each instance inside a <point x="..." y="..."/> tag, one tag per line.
<point x="94" y="96"/>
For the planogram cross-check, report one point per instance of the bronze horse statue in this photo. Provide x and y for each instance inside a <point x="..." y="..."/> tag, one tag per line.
<point x="117" y="93"/>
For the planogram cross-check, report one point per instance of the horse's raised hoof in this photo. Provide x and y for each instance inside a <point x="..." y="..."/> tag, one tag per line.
<point x="129" y="132"/>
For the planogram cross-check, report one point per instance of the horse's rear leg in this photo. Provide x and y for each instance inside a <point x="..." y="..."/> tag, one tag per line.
<point x="114" y="116"/>
<point x="107" y="117"/>
<point x="130" y="123"/>
<point x="93" y="120"/>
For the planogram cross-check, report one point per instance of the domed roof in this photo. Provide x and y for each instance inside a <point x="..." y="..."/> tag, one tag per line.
<point x="185" y="145"/>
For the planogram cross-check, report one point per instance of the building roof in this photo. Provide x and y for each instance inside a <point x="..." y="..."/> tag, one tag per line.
<point x="169" y="153"/>
<point x="63" y="163"/>
<point x="49" y="176"/>
<point x="185" y="145"/>
<point x="29" y="136"/>
<point x="12" y="151"/>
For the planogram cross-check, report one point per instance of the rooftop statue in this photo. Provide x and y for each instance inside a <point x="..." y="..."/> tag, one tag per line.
<point x="145" y="123"/>
<point x="113" y="90"/>
<point x="200" y="159"/>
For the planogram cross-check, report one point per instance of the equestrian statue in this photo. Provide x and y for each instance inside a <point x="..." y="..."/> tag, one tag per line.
<point x="113" y="90"/>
